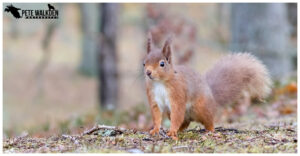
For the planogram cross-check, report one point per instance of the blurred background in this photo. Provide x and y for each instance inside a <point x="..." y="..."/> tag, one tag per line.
<point x="65" y="75"/>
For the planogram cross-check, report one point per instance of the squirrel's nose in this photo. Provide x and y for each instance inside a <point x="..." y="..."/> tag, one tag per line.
<point x="148" y="72"/>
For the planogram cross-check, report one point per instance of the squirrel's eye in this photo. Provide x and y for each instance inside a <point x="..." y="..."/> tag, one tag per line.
<point x="162" y="64"/>
<point x="144" y="64"/>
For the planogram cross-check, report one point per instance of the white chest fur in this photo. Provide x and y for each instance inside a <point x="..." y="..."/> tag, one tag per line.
<point x="161" y="96"/>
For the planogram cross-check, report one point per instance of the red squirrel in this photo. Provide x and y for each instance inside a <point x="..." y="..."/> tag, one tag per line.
<point x="186" y="96"/>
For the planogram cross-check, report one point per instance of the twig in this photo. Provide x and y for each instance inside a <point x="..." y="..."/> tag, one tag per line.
<point x="98" y="127"/>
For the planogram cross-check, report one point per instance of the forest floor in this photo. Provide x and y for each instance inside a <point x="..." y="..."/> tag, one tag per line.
<point x="257" y="135"/>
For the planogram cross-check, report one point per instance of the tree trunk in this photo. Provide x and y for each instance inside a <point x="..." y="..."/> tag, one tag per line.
<point x="90" y="29"/>
<point x="292" y="16"/>
<point x="108" y="74"/>
<point x="263" y="29"/>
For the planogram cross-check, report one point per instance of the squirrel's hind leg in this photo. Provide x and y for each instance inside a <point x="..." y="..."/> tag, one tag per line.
<point x="209" y="126"/>
<point x="203" y="111"/>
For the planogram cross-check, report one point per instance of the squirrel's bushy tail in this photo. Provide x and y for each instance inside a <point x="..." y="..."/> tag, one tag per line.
<point x="236" y="73"/>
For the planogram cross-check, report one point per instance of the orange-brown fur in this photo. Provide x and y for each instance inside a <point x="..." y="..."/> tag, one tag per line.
<point x="186" y="96"/>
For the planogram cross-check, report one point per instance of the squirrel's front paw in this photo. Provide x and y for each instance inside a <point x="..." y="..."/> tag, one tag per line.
<point x="172" y="134"/>
<point x="154" y="131"/>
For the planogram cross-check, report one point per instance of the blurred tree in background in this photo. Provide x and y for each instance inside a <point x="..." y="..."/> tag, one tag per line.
<point x="99" y="25"/>
<point x="107" y="59"/>
<point x="292" y="16"/>
<point x="263" y="29"/>
<point x="90" y="39"/>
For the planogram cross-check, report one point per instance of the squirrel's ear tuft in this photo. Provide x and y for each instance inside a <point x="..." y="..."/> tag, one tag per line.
<point x="149" y="43"/>
<point x="167" y="49"/>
